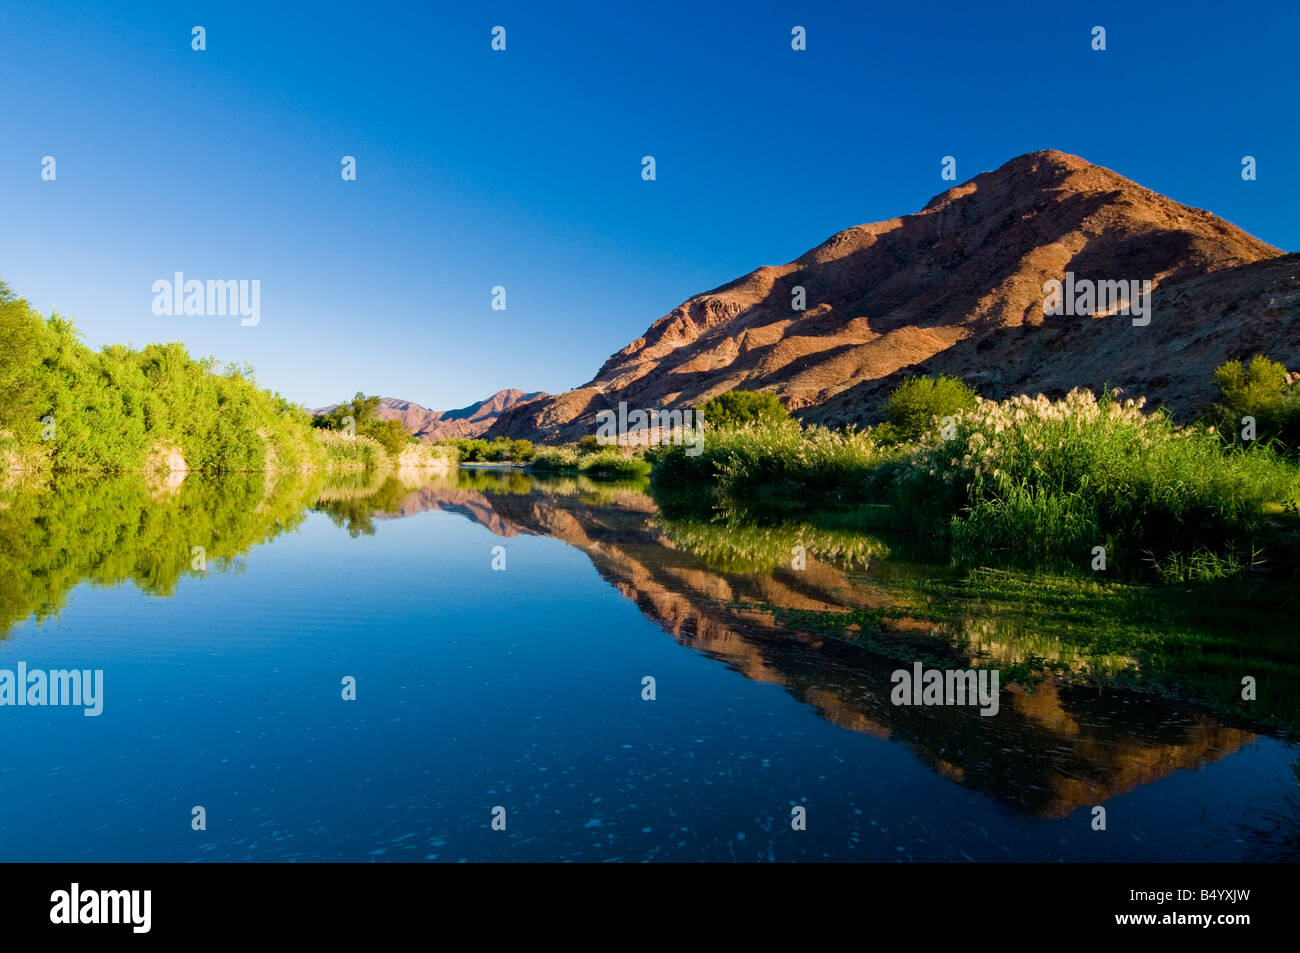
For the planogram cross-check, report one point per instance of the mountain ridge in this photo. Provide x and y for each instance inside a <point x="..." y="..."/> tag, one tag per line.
<point x="958" y="287"/>
<point x="431" y="426"/>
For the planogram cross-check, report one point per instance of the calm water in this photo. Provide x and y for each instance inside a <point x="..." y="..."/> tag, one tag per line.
<point x="521" y="688"/>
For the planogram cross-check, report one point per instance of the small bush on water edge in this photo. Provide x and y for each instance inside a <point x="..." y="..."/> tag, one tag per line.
<point x="609" y="462"/>
<point x="774" y="462"/>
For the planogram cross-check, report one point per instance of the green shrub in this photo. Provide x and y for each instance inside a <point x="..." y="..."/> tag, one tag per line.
<point x="605" y="462"/>
<point x="917" y="403"/>
<point x="612" y="462"/>
<point x="775" y="462"/>
<point x="1027" y="481"/>
<point x="1040" y="482"/>
<point x="739" y="408"/>
<point x="389" y="434"/>
<point x="107" y="410"/>
<point x="1263" y="390"/>
<point x="497" y="450"/>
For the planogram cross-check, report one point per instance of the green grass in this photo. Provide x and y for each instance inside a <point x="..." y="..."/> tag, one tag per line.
<point x="605" y="462"/>
<point x="1026" y="482"/>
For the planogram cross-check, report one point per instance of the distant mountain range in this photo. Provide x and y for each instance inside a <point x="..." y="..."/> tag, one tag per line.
<point x="958" y="288"/>
<point x="433" y="425"/>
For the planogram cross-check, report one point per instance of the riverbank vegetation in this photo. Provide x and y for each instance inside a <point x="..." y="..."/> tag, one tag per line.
<point x="1085" y="482"/>
<point x="590" y="459"/>
<point x="70" y="409"/>
<point x="501" y="450"/>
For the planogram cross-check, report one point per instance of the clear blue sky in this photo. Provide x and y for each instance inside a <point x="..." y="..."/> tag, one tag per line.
<point x="522" y="168"/>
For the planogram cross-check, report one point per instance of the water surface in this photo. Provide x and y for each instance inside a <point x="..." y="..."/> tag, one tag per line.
<point x="522" y="688"/>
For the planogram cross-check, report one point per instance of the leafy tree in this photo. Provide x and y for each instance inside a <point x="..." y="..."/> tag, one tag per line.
<point x="740" y="407"/>
<point x="390" y="434"/>
<point x="21" y="335"/>
<point x="1261" y="389"/>
<point x="498" y="450"/>
<point x="913" y="406"/>
<point x="360" y="408"/>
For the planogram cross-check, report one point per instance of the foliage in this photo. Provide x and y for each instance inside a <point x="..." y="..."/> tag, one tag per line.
<point x="76" y="409"/>
<point x="772" y="462"/>
<point x="917" y="403"/>
<point x="1264" y="390"/>
<point x="1027" y="481"/>
<point x="497" y="450"/>
<point x="362" y="413"/>
<point x="606" y="462"/>
<point x="739" y="408"/>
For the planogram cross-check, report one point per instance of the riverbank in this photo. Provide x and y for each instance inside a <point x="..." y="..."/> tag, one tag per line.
<point x="1079" y="484"/>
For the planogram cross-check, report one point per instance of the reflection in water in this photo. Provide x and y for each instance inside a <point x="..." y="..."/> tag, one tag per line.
<point x="58" y="534"/>
<point x="830" y="633"/>
<point x="1050" y="750"/>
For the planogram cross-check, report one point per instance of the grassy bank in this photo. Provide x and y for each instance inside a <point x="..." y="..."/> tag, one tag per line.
<point x="1027" y="482"/>
<point x="603" y="462"/>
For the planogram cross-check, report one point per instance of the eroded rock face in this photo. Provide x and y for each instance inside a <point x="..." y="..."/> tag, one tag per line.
<point x="957" y="288"/>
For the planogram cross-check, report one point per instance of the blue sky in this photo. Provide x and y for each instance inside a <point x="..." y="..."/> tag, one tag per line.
<point x="522" y="168"/>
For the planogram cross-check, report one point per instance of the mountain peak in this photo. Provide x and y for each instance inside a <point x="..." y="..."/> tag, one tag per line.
<point x="954" y="288"/>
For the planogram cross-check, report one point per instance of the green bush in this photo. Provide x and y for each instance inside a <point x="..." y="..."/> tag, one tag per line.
<point x="1040" y="482"/>
<point x="1027" y="481"/>
<point x="917" y="403"/>
<point x="389" y="434"/>
<point x="612" y="462"/>
<point x="497" y="450"/>
<point x="108" y="410"/>
<point x="770" y="461"/>
<point x="563" y="457"/>
<point x="739" y="408"/>
<point x="606" y="462"/>
<point x="1264" y="390"/>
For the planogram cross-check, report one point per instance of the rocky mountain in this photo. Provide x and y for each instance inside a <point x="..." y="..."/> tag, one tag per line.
<point x="959" y="288"/>
<point x="433" y="425"/>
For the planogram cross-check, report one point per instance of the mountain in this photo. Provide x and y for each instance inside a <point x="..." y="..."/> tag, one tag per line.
<point x="958" y="288"/>
<point x="433" y="425"/>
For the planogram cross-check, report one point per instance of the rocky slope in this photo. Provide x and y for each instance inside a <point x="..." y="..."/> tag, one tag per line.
<point x="958" y="288"/>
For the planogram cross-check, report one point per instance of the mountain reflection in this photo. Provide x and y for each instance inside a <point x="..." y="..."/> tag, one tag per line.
<point x="830" y="633"/>
<point x="1049" y="750"/>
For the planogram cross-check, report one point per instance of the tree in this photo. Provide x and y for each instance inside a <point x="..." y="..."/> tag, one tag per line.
<point x="1262" y="389"/>
<point x="360" y="408"/>
<point x="913" y="406"/>
<point x="392" y="436"/>
<point x="740" y="407"/>
<point x="22" y="333"/>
